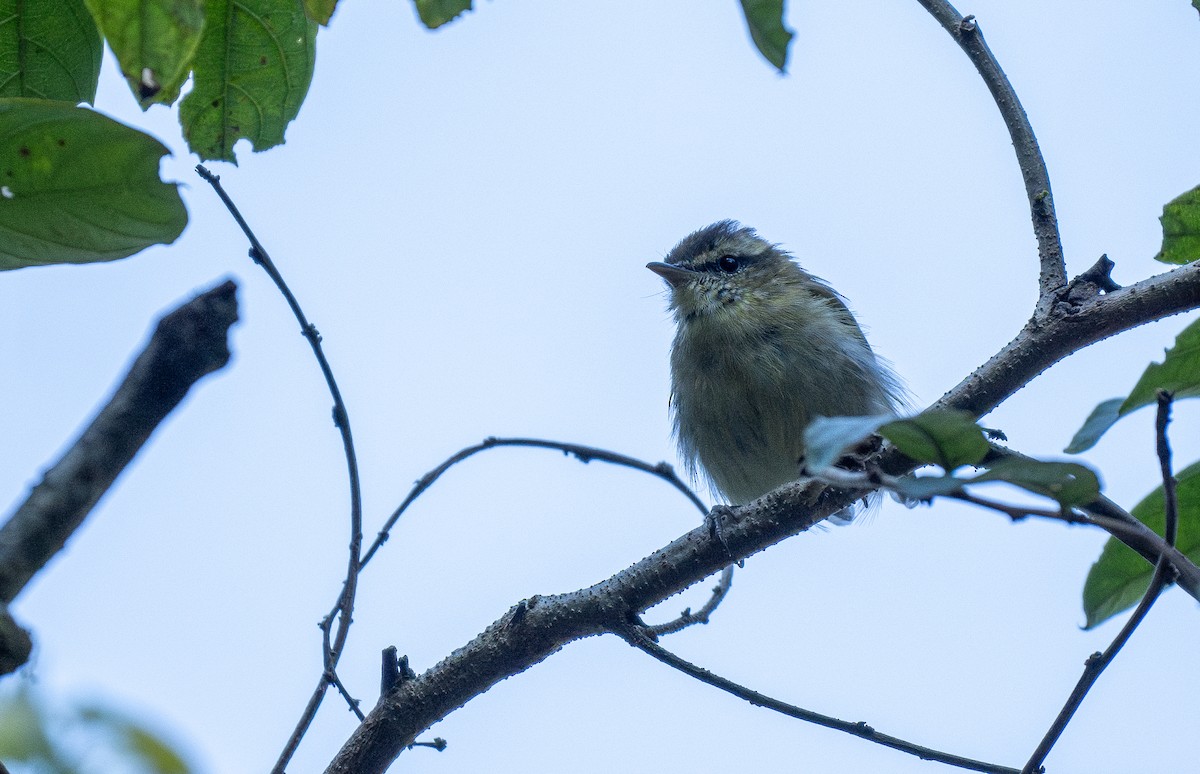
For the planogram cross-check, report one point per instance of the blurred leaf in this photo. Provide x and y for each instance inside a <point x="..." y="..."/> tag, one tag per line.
<point x="1181" y="229"/>
<point x="925" y="487"/>
<point x="77" y="187"/>
<point x="320" y="11"/>
<point x="435" y="13"/>
<point x="49" y="49"/>
<point x="23" y="729"/>
<point x="765" y="19"/>
<point x="1104" y="416"/>
<point x="946" y="438"/>
<point x="154" y="42"/>
<point x="136" y="742"/>
<point x="826" y="439"/>
<point x="1067" y="483"/>
<point x="252" y="72"/>
<point x="1178" y="373"/>
<point x="1120" y="577"/>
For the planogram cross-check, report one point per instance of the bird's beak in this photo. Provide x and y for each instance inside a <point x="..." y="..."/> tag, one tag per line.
<point x="674" y="275"/>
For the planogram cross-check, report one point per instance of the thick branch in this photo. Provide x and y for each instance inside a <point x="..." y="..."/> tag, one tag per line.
<point x="1069" y="328"/>
<point x="187" y="344"/>
<point x="965" y="31"/>
<point x="536" y="628"/>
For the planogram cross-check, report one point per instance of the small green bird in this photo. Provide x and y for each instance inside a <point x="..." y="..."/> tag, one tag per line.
<point x="761" y="348"/>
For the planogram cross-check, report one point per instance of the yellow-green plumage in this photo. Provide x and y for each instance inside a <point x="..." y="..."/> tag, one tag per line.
<point x="760" y="349"/>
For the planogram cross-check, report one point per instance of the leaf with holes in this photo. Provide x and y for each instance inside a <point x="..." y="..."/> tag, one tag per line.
<point x="77" y="187"/>
<point x="252" y="72"/>
<point x="154" y="41"/>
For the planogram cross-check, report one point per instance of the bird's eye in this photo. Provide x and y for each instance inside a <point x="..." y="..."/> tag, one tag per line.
<point x="728" y="264"/>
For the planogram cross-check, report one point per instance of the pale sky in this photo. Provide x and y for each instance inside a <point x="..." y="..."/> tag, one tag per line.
<point x="466" y="216"/>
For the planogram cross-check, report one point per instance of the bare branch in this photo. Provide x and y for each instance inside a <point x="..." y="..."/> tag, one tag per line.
<point x="639" y="639"/>
<point x="965" y="31"/>
<point x="187" y="344"/>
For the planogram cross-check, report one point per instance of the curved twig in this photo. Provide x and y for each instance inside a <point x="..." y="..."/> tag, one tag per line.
<point x="341" y="420"/>
<point x="639" y="639"/>
<point x="1052" y="275"/>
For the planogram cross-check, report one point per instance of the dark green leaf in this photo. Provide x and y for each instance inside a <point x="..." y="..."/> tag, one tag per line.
<point x="252" y="72"/>
<point x="1120" y="576"/>
<point x="49" y="49"/>
<point x="77" y="187"/>
<point x="1104" y="416"/>
<point x="826" y="439"/>
<point x="1067" y="483"/>
<point x="946" y="438"/>
<point x="154" y="41"/>
<point x="320" y="11"/>
<point x="925" y="487"/>
<point x="435" y="13"/>
<point x="765" y="19"/>
<point x="1178" y="373"/>
<point x="1181" y="229"/>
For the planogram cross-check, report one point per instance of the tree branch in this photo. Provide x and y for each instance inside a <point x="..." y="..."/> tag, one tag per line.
<point x="187" y="344"/>
<point x="1052" y="276"/>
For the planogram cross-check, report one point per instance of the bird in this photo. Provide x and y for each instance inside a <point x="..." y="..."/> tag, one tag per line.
<point x="761" y="348"/>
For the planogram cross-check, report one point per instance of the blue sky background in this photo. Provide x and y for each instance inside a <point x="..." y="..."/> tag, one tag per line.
<point x="466" y="216"/>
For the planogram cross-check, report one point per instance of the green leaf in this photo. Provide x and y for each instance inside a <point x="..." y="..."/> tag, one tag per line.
<point x="826" y="439"/>
<point x="1067" y="483"/>
<point x="1104" y="416"/>
<point x="1120" y="577"/>
<point x="765" y="19"/>
<point x="77" y="187"/>
<point x="946" y="438"/>
<point x="49" y="49"/>
<point x="435" y="13"/>
<point x="252" y="72"/>
<point x="23" y="729"/>
<point x="154" y="41"/>
<point x="137" y="742"/>
<point x="1178" y="373"/>
<point x="926" y="487"/>
<point x="320" y="11"/>
<point x="1181" y="229"/>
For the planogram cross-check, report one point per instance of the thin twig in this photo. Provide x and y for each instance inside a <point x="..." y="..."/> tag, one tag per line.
<point x="687" y="617"/>
<point x="1163" y="574"/>
<point x="341" y="419"/>
<point x="1163" y="447"/>
<point x="582" y="453"/>
<point x="638" y="638"/>
<point x="965" y="31"/>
